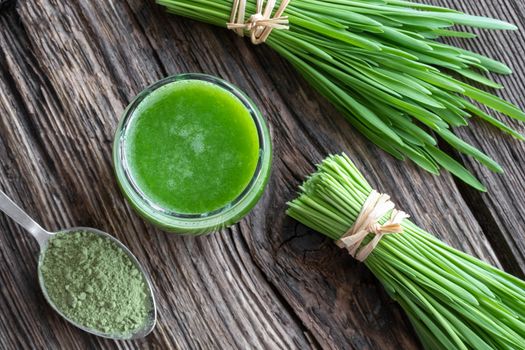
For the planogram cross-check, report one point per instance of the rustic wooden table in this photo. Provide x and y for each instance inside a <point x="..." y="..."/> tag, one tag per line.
<point x="67" y="71"/>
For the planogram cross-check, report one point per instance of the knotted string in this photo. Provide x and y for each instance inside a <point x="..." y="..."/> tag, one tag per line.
<point x="375" y="207"/>
<point x="260" y="24"/>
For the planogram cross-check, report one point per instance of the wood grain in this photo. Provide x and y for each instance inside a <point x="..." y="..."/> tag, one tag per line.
<point x="67" y="71"/>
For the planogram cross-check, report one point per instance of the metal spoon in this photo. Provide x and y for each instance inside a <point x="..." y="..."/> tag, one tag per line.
<point x="42" y="236"/>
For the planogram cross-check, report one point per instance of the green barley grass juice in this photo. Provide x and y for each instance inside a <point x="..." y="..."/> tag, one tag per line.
<point x="192" y="154"/>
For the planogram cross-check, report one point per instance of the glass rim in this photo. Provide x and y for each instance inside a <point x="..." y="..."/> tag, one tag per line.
<point x="128" y="117"/>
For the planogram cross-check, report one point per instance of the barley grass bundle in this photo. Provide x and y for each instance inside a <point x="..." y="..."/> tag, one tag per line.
<point x="379" y="62"/>
<point x="453" y="300"/>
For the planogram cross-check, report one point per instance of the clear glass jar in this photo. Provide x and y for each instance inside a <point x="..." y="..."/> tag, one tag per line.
<point x="193" y="223"/>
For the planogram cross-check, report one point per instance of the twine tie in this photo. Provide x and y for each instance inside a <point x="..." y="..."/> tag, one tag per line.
<point x="375" y="207"/>
<point x="261" y="24"/>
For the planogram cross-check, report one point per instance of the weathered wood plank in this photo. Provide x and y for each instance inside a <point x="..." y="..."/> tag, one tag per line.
<point x="67" y="71"/>
<point x="61" y="98"/>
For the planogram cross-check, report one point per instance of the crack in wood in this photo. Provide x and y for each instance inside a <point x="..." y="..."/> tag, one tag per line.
<point x="282" y="299"/>
<point x="5" y="5"/>
<point x="10" y="81"/>
<point x="492" y="230"/>
<point x="156" y="55"/>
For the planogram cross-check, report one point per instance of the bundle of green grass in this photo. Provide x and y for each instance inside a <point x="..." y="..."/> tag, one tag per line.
<point x="379" y="62"/>
<point x="453" y="300"/>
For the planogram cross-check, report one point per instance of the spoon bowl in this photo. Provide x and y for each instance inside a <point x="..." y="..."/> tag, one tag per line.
<point x="151" y="320"/>
<point x="42" y="237"/>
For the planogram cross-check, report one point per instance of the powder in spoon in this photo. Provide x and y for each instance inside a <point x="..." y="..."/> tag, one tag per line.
<point x="92" y="281"/>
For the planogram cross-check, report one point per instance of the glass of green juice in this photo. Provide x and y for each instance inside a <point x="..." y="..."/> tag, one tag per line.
<point x="192" y="154"/>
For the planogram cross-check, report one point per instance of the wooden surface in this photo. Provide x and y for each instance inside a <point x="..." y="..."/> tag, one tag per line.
<point x="67" y="71"/>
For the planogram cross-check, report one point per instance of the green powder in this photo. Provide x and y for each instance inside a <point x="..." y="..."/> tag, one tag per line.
<point x="91" y="280"/>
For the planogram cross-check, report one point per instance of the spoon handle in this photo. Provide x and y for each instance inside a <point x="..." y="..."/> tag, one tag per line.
<point x="14" y="212"/>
